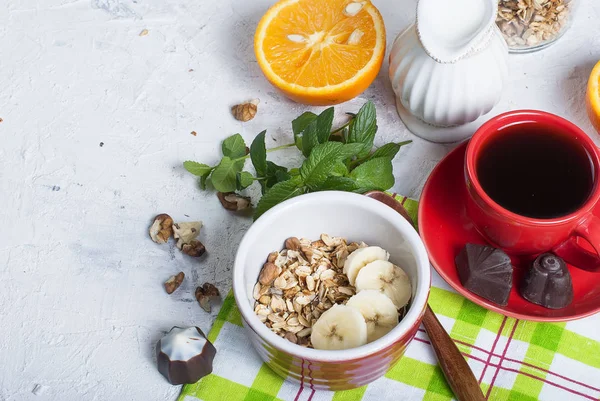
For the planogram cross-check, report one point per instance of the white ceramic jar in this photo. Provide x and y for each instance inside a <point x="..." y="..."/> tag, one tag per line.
<point x="449" y="68"/>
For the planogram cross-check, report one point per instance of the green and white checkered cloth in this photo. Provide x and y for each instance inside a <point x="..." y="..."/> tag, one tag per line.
<point x="514" y="360"/>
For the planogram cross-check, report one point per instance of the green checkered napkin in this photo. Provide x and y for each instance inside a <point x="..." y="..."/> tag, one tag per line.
<point x="513" y="359"/>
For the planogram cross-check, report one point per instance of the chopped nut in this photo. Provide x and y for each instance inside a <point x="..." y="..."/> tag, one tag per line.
<point x="144" y="32"/>
<point x="184" y="233"/>
<point x="269" y="273"/>
<point x="265" y="300"/>
<point x="291" y="337"/>
<point x="245" y="111"/>
<point x="205" y="294"/>
<point x="195" y="249"/>
<point x="233" y="201"/>
<point x="272" y="257"/>
<point x="304" y="332"/>
<point x="193" y="133"/>
<point x="161" y="229"/>
<point x="174" y="282"/>
<point x="292" y="243"/>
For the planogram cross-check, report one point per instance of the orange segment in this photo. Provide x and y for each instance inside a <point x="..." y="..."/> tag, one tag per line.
<point x="321" y="52"/>
<point x="593" y="97"/>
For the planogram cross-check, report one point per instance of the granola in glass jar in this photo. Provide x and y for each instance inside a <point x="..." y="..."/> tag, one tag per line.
<point x="529" y="25"/>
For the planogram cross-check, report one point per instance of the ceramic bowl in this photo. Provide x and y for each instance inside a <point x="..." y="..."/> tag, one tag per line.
<point x="357" y="218"/>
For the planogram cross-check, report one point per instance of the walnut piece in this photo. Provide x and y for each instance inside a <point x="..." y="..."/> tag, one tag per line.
<point x="174" y="282"/>
<point x="194" y="248"/>
<point x="269" y="273"/>
<point x="184" y="233"/>
<point x="161" y="229"/>
<point x="233" y="201"/>
<point x="205" y="294"/>
<point x="245" y="111"/>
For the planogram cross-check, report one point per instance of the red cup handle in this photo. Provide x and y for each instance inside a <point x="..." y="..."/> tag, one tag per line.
<point x="574" y="254"/>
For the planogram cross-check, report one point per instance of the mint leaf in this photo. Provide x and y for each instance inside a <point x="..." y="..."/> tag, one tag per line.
<point x="351" y="150"/>
<point x="300" y="124"/>
<point x="234" y="146"/>
<point x="338" y="184"/>
<point x="258" y="154"/>
<point x="243" y="180"/>
<point x="198" y="169"/>
<point x="282" y="175"/>
<point x="338" y="170"/>
<point x="322" y="159"/>
<point x="389" y="150"/>
<point x="275" y="174"/>
<point x="294" y="172"/>
<point x="375" y="174"/>
<point x="324" y="123"/>
<point x="363" y="128"/>
<point x="203" y="181"/>
<point x="280" y="192"/>
<point x="317" y="131"/>
<point x="310" y="138"/>
<point x="224" y="175"/>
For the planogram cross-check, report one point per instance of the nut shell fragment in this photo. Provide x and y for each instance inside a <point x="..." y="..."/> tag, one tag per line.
<point x="161" y="229"/>
<point x="174" y="282"/>
<point x="205" y="294"/>
<point x="234" y="202"/>
<point x="269" y="273"/>
<point x="184" y="233"/>
<point x="245" y="111"/>
<point x="195" y="248"/>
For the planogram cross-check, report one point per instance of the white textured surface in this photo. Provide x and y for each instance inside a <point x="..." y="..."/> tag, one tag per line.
<point x="82" y="303"/>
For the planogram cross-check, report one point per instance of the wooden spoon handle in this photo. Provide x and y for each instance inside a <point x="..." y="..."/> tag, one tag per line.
<point x="456" y="369"/>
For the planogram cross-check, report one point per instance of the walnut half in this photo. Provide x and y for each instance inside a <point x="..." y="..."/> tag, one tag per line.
<point x="205" y="294"/>
<point x="195" y="248"/>
<point x="174" y="282"/>
<point x="233" y="201"/>
<point x="161" y="229"/>
<point x="245" y="111"/>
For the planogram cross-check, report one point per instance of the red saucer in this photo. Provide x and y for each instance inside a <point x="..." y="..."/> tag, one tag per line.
<point x="445" y="229"/>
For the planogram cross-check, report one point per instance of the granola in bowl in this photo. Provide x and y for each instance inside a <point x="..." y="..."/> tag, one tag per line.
<point x="308" y="280"/>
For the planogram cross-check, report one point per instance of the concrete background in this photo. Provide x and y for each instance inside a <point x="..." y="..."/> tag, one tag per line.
<point x="96" y="124"/>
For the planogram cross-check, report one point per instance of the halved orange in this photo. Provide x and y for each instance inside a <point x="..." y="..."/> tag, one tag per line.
<point x="321" y="52"/>
<point x="593" y="97"/>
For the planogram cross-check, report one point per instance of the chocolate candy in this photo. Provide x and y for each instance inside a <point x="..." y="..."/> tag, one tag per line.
<point x="485" y="271"/>
<point x="185" y="355"/>
<point x="548" y="282"/>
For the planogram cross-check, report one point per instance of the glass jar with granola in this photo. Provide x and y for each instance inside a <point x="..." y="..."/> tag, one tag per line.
<point x="530" y="25"/>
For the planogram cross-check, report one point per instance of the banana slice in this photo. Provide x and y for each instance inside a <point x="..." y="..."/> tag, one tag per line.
<point x="386" y="278"/>
<point x="362" y="257"/>
<point x="378" y="310"/>
<point x="340" y="327"/>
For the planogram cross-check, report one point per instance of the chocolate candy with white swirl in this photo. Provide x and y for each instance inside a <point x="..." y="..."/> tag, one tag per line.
<point x="185" y="355"/>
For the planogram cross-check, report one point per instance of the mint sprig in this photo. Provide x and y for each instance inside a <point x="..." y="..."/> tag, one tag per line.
<point x="341" y="159"/>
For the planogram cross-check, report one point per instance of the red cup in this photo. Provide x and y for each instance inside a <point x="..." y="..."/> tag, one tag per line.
<point x="521" y="235"/>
